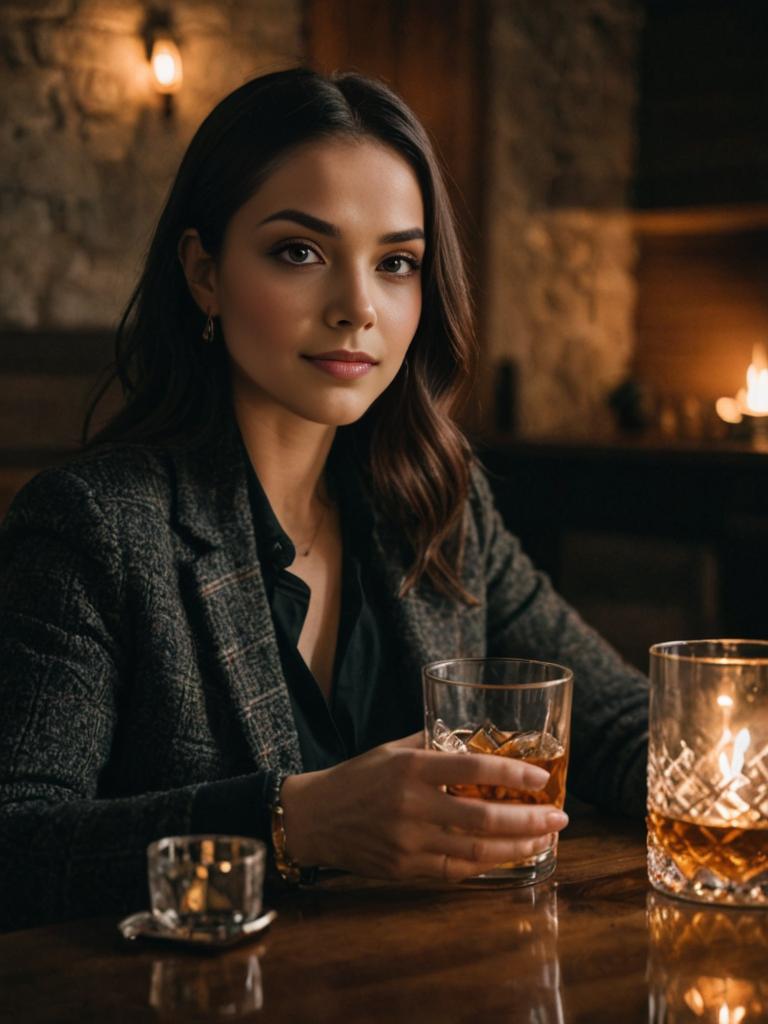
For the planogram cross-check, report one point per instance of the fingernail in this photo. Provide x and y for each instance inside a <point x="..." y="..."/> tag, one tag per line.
<point x="535" y="777"/>
<point x="557" y="819"/>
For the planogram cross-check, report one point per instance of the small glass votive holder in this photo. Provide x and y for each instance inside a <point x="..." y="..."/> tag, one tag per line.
<point x="209" y="883"/>
<point x="708" y="771"/>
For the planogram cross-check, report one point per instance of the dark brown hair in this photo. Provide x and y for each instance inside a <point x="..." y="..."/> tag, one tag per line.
<point x="177" y="389"/>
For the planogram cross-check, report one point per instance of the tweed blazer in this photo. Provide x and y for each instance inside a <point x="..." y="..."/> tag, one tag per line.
<point x="138" y="660"/>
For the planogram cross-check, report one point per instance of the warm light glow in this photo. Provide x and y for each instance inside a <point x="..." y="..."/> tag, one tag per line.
<point x="166" y="65"/>
<point x="695" y="1001"/>
<point x="752" y="400"/>
<point x="732" y="769"/>
<point x="728" y="409"/>
<point x="707" y="994"/>
<point x="726" y="1016"/>
<point x="757" y="389"/>
<point x="725" y="701"/>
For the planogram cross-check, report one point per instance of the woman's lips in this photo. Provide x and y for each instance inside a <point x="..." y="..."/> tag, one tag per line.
<point x="343" y="369"/>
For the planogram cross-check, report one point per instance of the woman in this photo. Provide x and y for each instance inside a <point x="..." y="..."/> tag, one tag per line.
<point x="214" y="619"/>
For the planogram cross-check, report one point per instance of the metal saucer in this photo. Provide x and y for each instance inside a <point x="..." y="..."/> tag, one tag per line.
<point x="145" y="925"/>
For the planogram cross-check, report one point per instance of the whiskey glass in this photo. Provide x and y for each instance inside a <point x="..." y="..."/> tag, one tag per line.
<point x="708" y="771"/>
<point x="507" y="707"/>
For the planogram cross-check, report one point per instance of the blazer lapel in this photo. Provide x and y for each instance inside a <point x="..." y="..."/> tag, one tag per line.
<point x="227" y="600"/>
<point x="230" y="610"/>
<point x="426" y="624"/>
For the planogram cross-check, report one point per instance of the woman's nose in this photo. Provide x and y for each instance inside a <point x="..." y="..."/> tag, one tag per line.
<point x="351" y="305"/>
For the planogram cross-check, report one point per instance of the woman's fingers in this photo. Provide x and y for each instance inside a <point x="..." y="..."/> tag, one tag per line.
<point x="479" y="769"/>
<point x="493" y="817"/>
<point x="416" y="739"/>
<point x="453" y="867"/>
<point x="486" y="850"/>
<point x="386" y="812"/>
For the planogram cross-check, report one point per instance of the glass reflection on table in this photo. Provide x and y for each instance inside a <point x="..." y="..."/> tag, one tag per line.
<point x="219" y="987"/>
<point x="536" y="985"/>
<point x="706" y="965"/>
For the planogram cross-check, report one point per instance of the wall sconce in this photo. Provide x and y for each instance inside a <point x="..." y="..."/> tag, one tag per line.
<point x="164" y="57"/>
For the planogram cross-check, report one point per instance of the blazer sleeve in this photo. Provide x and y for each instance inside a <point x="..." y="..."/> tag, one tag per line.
<point x="65" y="657"/>
<point x="527" y="618"/>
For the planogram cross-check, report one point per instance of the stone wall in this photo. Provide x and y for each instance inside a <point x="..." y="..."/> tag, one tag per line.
<point x="87" y="156"/>
<point x="560" y="252"/>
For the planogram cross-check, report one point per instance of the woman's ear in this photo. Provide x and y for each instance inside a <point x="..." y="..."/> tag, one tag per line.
<point x="199" y="270"/>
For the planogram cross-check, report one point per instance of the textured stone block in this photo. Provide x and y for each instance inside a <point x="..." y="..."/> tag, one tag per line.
<point x="16" y="48"/>
<point x="38" y="8"/>
<point x="88" y="157"/>
<point x="560" y="257"/>
<point x="97" y="92"/>
<point x="91" y="292"/>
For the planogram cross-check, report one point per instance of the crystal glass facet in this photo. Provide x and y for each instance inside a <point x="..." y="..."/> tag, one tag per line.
<point x="708" y="771"/>
<point x="508" y="707"/>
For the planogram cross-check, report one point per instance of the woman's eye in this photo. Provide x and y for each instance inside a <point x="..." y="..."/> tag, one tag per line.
<point x="295" y="253"/>
<point x="401" y="266"/>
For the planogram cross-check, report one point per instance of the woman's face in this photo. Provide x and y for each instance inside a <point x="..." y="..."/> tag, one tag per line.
<point x="318" y="284"/>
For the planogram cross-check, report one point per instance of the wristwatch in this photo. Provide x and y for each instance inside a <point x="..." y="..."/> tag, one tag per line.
<point x="290" y="870"/>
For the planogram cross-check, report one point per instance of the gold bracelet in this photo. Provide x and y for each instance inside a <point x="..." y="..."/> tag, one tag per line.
<point x="288" y="868"/>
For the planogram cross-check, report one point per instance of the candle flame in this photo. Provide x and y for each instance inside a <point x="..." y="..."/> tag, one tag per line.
<point x="752" y="400"/>
<point x="728" y="410"/>
<point x="757" y="389"/>
<point x="725" y="701"/>
<point x="732" y="769"/>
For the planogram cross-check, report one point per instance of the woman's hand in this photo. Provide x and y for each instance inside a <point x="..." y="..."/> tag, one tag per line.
<point x="384" y="814"/>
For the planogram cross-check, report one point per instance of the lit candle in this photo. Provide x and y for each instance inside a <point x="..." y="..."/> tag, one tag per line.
<point x="752" y="400"/>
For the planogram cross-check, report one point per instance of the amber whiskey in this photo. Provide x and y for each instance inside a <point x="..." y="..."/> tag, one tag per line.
<point x="738" y="855"/>
<point x="545" y="753"/>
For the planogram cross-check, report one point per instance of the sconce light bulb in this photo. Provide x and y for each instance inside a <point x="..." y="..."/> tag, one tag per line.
<point x="166" y="65"/>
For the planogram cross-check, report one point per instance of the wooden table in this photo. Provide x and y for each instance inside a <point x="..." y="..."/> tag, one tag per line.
<point x="594" y="944"/>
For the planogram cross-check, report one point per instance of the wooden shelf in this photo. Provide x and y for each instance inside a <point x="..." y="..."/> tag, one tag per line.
<point x="701" y="220"/>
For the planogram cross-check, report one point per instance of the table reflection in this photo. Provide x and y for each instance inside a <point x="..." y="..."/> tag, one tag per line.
<point x="220" y="987"/>
<point x="706" y="965"/>
<point x="535" y="985"/>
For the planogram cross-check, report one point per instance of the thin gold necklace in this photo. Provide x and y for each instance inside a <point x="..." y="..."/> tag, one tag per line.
<point x="309" y="546"/>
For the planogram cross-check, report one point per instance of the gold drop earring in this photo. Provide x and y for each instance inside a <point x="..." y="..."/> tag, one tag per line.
<point x="209" y="331"/>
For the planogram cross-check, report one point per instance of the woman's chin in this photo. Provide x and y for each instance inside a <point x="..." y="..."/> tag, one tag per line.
<point x="338" y="410"/>
<point x="338" y="417"/>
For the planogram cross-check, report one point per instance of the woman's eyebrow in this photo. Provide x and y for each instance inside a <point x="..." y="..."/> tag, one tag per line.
<point x="324" y="228"/>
